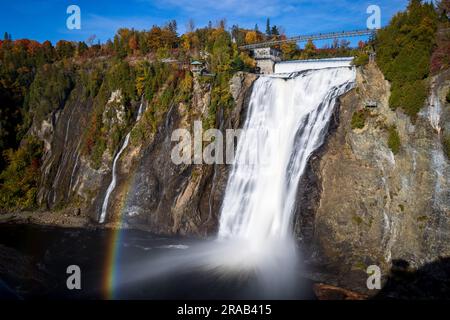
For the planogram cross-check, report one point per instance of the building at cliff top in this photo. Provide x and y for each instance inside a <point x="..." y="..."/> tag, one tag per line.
<point x="266" y="59"/>
<point x="197" y="66"/>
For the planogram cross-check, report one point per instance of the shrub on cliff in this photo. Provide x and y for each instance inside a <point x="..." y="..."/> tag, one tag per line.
<point x="404" y="51"/>
<point x="91" y="77"/>
<point x="361" y="59"/>
<point x="186" y="88"/>
<point x="359" y="119"/>
<point x="121" y="76"/>
<point x="101" y="135"/>
<point x="410" y="96"/>
<point x="170" y="86"/>
<point x="394" y="142"/>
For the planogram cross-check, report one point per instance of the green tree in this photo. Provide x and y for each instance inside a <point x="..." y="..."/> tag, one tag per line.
<point x="309" y="51"/>
<point x="394" y="142"/>
<point x="50" y="89"/>
<point x="7" y="36"/>
<point x="274" y="31"/>
<point x="359" y="119"/>
<point x="268" y="29"/>
<point x="20" y="180"/>
<point x="404" y="51"/>
<point x="81" y="48"/>
<point x="65" y="49"/>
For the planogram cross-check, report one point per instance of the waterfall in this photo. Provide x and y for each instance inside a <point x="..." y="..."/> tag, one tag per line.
<point x="112" y="185"/>
<point x="287" y="119"/>
<point x="291" y="117"/>
<point x="434" y="110"/>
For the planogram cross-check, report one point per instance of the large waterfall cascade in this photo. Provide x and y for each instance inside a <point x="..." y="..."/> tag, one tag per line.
<point x="112" y="185"/>
<point x="287" y="119"/>
<point x="290" y="117"/>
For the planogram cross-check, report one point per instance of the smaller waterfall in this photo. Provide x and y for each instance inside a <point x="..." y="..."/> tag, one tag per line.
<point x="438" y="163"/>
<point x="65" y="155"/>
<point x="140" y="111"/>
<point x="112" y="185"/>
<point x="434" y="111"/>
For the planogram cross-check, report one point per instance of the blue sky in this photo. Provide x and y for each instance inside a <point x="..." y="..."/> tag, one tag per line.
<point x="46" y="19"/>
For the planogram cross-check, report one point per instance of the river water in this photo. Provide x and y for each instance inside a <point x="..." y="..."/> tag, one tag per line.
<point x="34" y="259"/>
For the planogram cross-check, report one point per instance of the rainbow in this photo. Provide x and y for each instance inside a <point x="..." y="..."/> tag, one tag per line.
<point x="113" y="241"/>
<point x="111" y="273"/>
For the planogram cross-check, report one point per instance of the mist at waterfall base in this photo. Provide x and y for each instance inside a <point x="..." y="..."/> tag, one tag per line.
<point x="255" y="254"/>
<point x="210" y="269"/>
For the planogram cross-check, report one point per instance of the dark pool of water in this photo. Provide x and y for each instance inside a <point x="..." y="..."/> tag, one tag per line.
<point x="34" y="260"/>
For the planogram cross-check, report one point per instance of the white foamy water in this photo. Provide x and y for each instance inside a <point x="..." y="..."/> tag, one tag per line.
<point x="434" y="111"/>
<point x="175" y="246"/>
<point x="311" y="64"/>
<point x="293" y="114"/>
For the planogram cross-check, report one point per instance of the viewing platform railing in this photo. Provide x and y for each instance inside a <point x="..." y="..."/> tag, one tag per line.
<point x="303" y="38"/>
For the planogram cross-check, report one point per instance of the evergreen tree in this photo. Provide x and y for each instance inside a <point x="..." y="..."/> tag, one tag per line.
<point x="310" y="50"/>
<point x="7" y="36"/>
<point x="268" y="30"/>
<point x="172" y="26"/>
<point x="274" y="31"/>
<point x="81" y="48"/>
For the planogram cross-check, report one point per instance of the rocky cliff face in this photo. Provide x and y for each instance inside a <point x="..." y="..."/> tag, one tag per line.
<point x="360" y="204"/>
<point x="181" y="199"/>
<point x="151" y="192"/>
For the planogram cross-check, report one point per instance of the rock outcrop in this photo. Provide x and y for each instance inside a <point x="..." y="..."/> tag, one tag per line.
<point x="182" y="199"/>
<point x="360" y="204"/>
<point x="152" y="192"/>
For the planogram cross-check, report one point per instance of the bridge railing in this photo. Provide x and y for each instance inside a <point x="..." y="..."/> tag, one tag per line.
<point x="303" y="38"/>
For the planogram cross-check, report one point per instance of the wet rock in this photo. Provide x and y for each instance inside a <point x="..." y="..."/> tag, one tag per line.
<point x="182" y="199"/>
<point x="328" y="292"/>
<point x="367" y="205"/>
